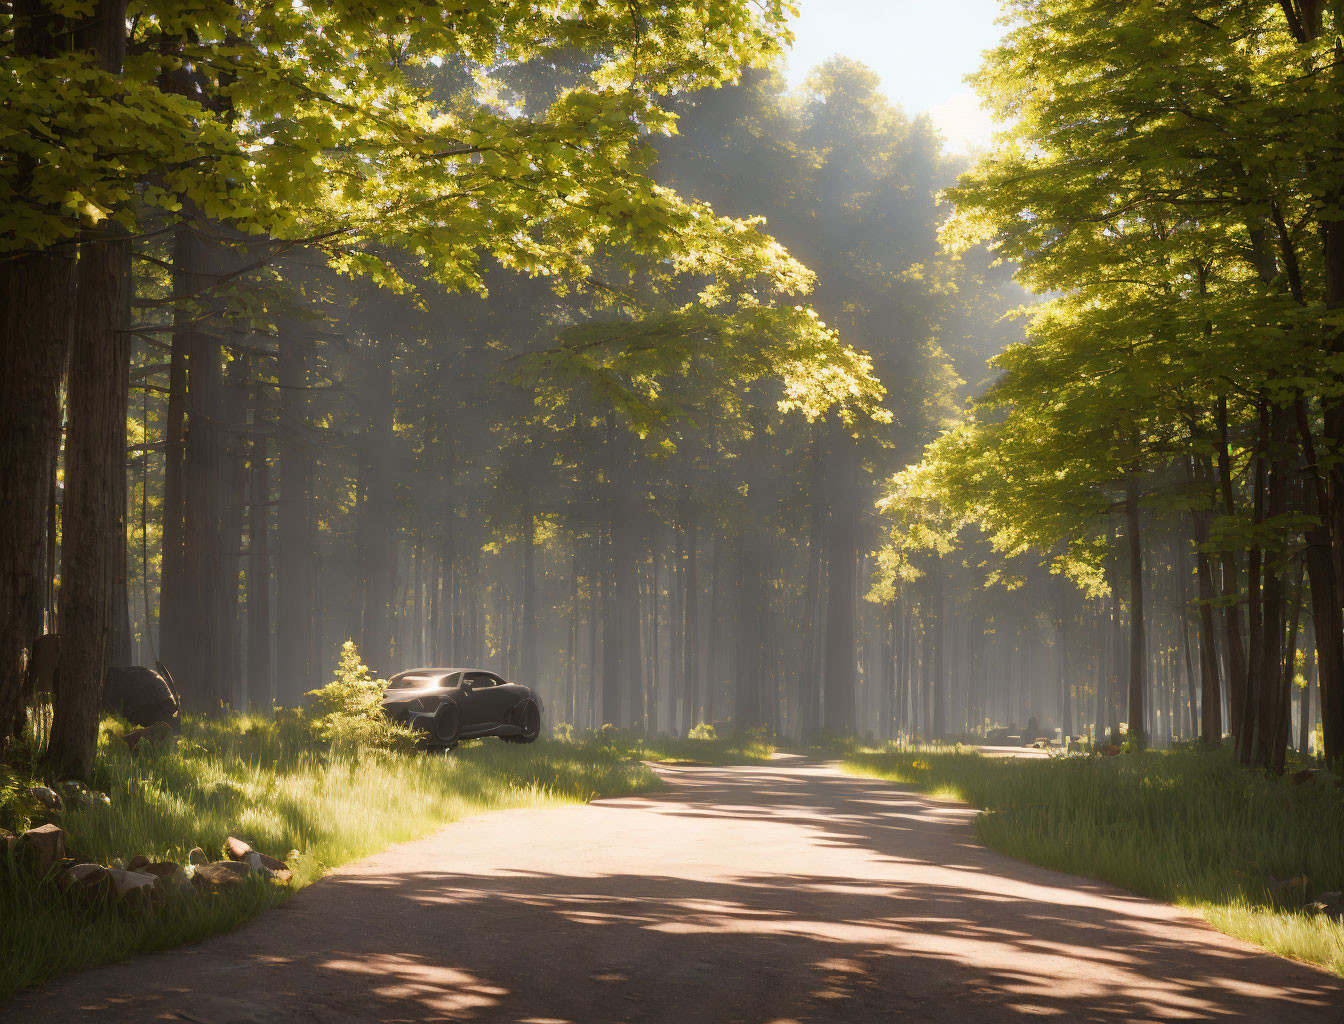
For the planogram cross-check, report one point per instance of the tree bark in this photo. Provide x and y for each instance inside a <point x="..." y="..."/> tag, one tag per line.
<point x="1137" y="652"/>
<point x="296" y="570"/>
<point x="36" y="322"/>
<point x="260" y="687"/>
<point x="95" y="462"/>
<point x="838" y="667"/>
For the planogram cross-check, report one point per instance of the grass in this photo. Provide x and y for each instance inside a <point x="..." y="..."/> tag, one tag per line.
<point x="749" y="747"/>
<point x="273" y="783"/>
<point x="1185" y="826"/>
<point x="741" y="749"/>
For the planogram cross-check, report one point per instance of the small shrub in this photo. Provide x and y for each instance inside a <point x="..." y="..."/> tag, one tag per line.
<point x="348" y="710"/>
<point x="702" y="731"/>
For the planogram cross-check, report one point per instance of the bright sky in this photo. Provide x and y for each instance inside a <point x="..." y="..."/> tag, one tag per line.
<point x="921" y="50"/>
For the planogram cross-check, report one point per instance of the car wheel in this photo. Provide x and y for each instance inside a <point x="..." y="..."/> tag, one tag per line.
<point x="447" y="724"/>
<point x="527" y="716"/>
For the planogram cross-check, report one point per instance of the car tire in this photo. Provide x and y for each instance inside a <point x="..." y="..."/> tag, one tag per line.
<point x="527" y="716"/>
<point x="447" y="724"/>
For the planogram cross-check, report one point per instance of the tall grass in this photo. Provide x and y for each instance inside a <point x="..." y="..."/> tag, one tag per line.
<point x="1186" y="826"/>
<point x="273" y="783"/>
<point x="703" y="747"/>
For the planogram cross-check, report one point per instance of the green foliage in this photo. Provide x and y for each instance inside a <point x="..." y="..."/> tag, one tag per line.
<point x="1186" y="826"/>
<point x="348" y="710"/>
<point x="272" y="781"/>
<point x="702" y="731"/>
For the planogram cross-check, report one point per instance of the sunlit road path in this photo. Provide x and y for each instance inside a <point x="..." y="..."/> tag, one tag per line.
<point x="764" y="894"/>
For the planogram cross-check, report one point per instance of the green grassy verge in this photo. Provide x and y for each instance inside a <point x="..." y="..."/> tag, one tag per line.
<point x="280" y="788"/>
<point x="706" y="749"/>
<point x="1184" y="826"/>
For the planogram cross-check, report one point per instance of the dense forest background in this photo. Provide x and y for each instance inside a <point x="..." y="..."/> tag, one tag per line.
<point x="588" y="353"/>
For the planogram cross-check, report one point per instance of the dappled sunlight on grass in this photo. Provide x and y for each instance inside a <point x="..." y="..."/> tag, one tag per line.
<point x="1186" y="826"/>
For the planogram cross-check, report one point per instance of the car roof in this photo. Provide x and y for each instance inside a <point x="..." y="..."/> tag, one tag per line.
<point x="436" y="672"/>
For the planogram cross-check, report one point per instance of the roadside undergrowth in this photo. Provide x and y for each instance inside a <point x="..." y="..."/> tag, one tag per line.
<point x="702" y="747"/>
<point x="1185" y="826"/>
<point x="275" y="783"/>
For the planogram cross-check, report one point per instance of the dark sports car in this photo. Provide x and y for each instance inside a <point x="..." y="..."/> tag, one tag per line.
<point x="451" y="704"/>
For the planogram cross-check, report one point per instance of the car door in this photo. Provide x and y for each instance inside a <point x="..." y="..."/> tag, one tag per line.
<point x="496" y="697"/>
<point x="508" y="695"/>
<point x="479" y="706"/>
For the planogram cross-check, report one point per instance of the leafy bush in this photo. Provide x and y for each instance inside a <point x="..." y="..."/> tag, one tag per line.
<point x="348" y="710"/>
<point x="702" y="731"/>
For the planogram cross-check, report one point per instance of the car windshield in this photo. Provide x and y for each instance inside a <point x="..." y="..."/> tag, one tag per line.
<point x="412" y="682"/>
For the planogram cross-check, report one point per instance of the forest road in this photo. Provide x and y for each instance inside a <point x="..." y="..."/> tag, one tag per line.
<point x="767" y="894"/>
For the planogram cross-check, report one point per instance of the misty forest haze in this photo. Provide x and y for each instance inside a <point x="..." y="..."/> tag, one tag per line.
<point x="569" y="342"/>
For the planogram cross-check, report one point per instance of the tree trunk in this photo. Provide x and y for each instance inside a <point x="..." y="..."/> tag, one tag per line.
<point x="296" y="541"/>
<point x="95" y="462"/>
<point x="376" y="525"/>
<point x="260" y="687"/>
<point x="691" y="633"/>
<point x="838" y="671"/>
<point x="36" y="321"/>
<point x="1137" y="652"/>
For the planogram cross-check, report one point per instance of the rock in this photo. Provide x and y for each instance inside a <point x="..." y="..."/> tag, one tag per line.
<point x="86" y="882"/>
<point x="139" y="694"/>
<point x="169" y="874"/>
<point x="1329" y="903"/>
<point x="223" y="874"/>
<point x="46" y="797"/>
<point x="158" y="733"/>
<point x="1110" y="750"/>
<point x="236" y="848"/>
<point x="252" y="860"/>
<point x="197" y="856"/>
<point x="134" y="887"/>
<point x="40" y="849"/>
<point x="137" y="863"/>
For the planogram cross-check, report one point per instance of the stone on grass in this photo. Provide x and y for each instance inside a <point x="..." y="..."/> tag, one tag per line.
<point x="139" y="694"/>
<point x="40" y="849"/>
<point x="252" y="860"/>
<point x="86" y="882"/>
<point x="169" y="874"/>
<point x="236" y="848"/>
<point x="1331" y="904"/>
<point x="134" y="887"/>
<point x="159" y="732"/>
<point x="197" y="856"/>
<point x="223" y="873"/>
<point x="277" y="869"/>
<point x="137" y="863"/>
<point x="46" y="797"/>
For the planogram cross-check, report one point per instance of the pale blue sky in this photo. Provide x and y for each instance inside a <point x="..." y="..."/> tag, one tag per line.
<point x="921" y="50"/>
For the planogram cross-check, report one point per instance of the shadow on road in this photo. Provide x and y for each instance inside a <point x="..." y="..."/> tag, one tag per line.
<point x="911" y="920"/>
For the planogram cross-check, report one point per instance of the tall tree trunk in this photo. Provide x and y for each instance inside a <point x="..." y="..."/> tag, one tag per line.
<point x="95" y="463"/>
<point x="376" y="525"/>
<point x="36" y="321"/>
<point x="1137" y="653"/>
<point x="839" y="667"/>
<point x="528" y="655"/>
<point x="691" y="633"/>
<point x="296" y="540"/>
<point x="260" y="687"/>
<point x="938" y="681"/>
<point x="1235" y="646"/>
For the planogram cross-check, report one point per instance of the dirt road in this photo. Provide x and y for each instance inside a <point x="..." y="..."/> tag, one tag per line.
<point x="761" y="895"/>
